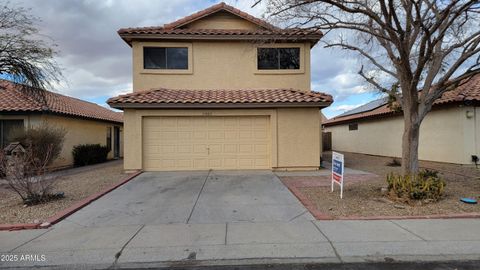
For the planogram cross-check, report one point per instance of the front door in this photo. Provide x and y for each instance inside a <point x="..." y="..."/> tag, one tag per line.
<point x="116" y="142"/>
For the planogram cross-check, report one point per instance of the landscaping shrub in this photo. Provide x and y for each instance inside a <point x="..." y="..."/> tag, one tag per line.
<point x="86" y="154"/>
<point x="426" y="185"/>
<point x="45" y="140"/>
<point x="26" y="175"/>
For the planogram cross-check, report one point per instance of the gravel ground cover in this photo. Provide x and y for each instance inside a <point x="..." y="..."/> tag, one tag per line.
<point x="75" y="186"/>
<point x="364" y="198"/>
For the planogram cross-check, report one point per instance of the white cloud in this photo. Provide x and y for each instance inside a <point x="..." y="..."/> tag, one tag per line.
<point x="98" y="63"/>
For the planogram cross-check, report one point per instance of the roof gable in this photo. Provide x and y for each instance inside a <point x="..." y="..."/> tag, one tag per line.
<point x="219" y="8"/>
<point x="220" y="22"/>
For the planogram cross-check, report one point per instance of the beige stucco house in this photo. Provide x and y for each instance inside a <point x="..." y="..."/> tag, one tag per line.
<point x="221" y="89"/>
<point x="84" y="122"/>
<point x="450" y="132"/>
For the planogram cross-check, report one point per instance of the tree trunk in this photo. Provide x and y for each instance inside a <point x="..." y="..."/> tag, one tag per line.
<point x="411" y="136"/>
<point x="411" y="129"/>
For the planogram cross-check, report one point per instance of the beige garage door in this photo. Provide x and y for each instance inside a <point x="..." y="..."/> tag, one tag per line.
<point x="202" y="143"/>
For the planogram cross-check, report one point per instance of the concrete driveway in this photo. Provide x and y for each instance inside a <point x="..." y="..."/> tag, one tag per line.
<point x="192" y="198"/>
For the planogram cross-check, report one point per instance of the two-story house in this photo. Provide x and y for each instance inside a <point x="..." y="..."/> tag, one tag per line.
<point x="221" y="89"/>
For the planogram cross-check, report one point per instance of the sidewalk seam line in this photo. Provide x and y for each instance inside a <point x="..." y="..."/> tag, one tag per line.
<point x="297" y="216"/>
<point x="329" y="241"/>
<point x="407" y="230"/>
<point x="198" y="196"/>
<point x="21" y="245"/>
<point x="118" y="254"/>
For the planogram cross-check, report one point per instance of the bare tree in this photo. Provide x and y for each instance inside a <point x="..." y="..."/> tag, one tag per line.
<point x="421" y="47"/>
<point x="26" y="174"/>
<point x="26" y="57"/>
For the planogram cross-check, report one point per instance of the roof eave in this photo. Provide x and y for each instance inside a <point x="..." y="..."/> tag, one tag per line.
<point x="219" y="105"/>
<point x="128" y="38"/>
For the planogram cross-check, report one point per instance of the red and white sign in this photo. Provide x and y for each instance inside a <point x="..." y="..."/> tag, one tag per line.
<point x="337" y="171"/>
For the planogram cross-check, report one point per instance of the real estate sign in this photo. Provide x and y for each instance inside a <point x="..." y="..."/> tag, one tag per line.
<point x="337" y="171"/>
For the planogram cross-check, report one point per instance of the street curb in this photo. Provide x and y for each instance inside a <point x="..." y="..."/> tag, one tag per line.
<point x="68" y="211"/>
<point x="318" y="215"/>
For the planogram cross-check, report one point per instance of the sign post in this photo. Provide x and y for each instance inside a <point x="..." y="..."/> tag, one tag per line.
<point x="337" y="171"/>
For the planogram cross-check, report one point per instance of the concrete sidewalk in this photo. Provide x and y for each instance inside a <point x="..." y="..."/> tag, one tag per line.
<point x="245" y="243"/>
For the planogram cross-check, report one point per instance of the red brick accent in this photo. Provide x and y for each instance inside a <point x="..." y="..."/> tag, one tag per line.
<point x="18" y="226"/>
<point x="68" y="211"/>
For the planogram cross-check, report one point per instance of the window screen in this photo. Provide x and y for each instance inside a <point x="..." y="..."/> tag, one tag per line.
<point x="278" y="58"/>
<point x="165" y="58"/>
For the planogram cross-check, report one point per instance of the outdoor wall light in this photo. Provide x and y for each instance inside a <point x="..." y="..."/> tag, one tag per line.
<point x="470" y="114"/>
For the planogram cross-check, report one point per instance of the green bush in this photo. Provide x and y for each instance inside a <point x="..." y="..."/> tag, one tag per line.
<point x="86" y="154"/>
<point x="425" y="185"/>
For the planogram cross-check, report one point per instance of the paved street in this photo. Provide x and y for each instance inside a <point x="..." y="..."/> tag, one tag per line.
<point x="179" y="221"/>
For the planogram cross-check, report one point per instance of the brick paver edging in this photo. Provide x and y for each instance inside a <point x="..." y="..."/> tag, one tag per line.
<point x="68" y="211"/>
<point x="317" y="214"/>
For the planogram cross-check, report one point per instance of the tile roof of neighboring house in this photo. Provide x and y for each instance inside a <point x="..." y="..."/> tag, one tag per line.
<point x="266" y="30"/>
<point x="18" y="98"/>
<point x="168" y="98"/>
<point x="468" y="92"/>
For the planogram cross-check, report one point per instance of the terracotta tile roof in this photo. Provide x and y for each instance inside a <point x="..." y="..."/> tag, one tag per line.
<point x="468" y="92"/>
<point x="225" y="98"/>
<point x="291" y="32"/>
<point x="18" y="98"/>
<point x="265" y="31"/>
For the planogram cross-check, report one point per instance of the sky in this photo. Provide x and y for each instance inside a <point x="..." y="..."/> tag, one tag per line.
<point x="97" y="63"/>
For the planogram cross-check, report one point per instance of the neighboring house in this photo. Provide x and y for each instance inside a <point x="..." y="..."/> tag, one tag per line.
<point x="221" y="89"/>
<point x="84" y="122"/>
<point x="450" y="132"/>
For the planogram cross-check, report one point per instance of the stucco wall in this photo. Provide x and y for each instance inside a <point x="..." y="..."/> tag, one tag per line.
<point x="220" y="65"/>
<point x="294" y="134"/>
<point x="222" y="20"/>
<point x="298" y="138"/>
<point x="446" y="135"/>
<point x="79" y="131"/>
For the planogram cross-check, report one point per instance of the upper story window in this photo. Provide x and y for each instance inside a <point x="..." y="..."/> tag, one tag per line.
<point x="278" y="58"/>
<point x="165" y="57"/>
<point x="353" y="126"/>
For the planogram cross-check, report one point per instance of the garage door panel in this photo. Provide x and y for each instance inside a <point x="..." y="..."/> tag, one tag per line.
<point x="216" y="134"/>
<point x="185" y="149"/>
<point x="199" y="143"/>
<point x="200" y="164"/>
